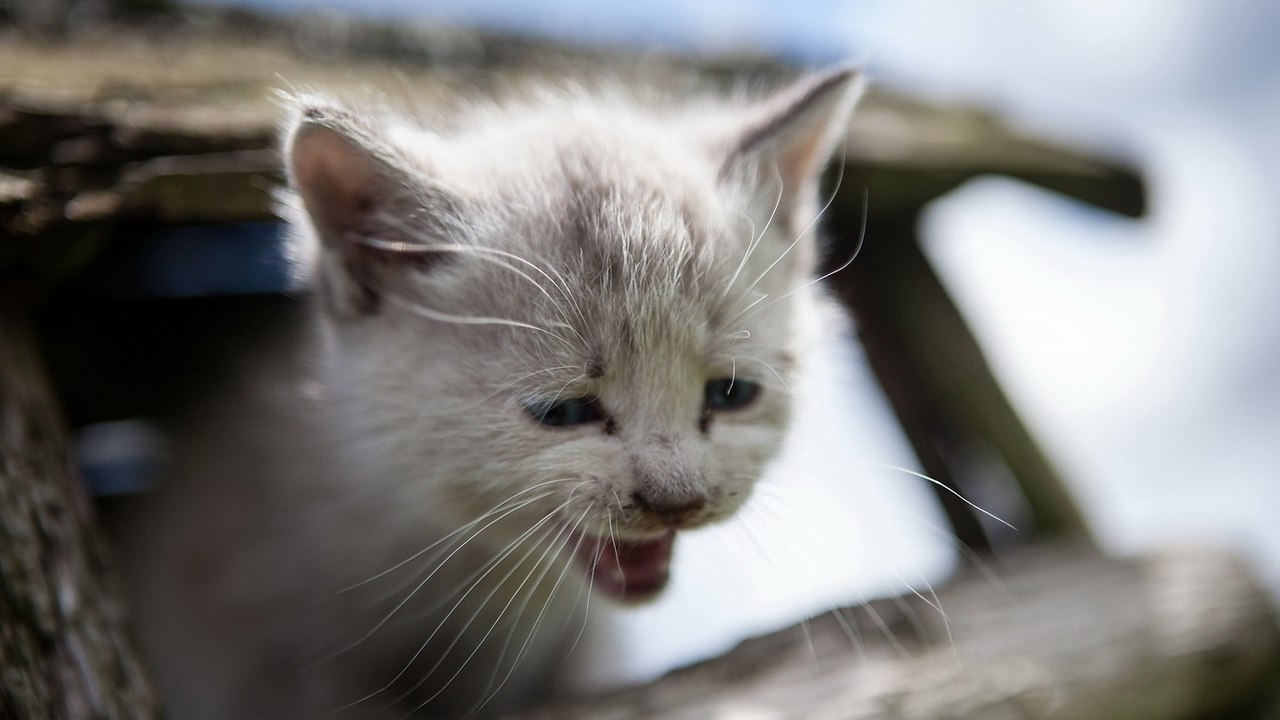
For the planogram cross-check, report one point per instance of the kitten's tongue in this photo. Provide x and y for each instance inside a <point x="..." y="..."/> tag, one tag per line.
<point x="627" y="569"/>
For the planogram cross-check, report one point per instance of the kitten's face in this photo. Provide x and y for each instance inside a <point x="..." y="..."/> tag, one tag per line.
<point x="568" y="333"/>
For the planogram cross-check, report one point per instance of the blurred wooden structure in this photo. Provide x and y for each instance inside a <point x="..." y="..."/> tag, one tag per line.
<point x="116" y="146"/>
<point x="1062" y="634"/>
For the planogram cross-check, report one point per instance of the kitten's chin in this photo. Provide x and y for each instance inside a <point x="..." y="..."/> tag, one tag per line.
<point x="629" y="571"/>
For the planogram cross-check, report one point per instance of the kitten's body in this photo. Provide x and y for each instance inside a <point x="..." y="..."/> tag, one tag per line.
<point x="522" y="357"/>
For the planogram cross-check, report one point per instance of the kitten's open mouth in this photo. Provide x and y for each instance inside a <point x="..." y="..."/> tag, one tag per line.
<point x="627" y="569"/>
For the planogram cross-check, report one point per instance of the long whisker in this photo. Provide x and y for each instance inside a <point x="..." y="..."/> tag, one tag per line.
<point x="492" y="692"/>
<point x="474" y="615"/>
<point x="857" y="250"/>
<point x="876" y="618"/>
<point x="851" y="632"/>
<point x="771" y="369"/>
<point x="386" y="617"/>
<point x="433" y="314"/>
<point x="421" y="648"/>
<point x="800" y="236"/>
<point x="515" y="382"/>
<point x="756" y="238"/>
<point x="414" y="248"/>
<point x="936" y="606"/>
<point x="496" y="509"/>
<point x="559" y="581"/>
<point x="942" y="485"/>
<point x="479" y="608"/>
<point x="591" y="583"/>
<point x="804" y="624"/>
<point x="485" y="253"/>
<point x="826" y="206"/>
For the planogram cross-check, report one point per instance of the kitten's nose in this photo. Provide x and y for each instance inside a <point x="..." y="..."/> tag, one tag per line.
<point x="674" y="507"/>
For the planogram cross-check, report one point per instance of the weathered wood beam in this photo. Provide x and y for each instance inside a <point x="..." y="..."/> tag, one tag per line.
<point x="76" y="116"/>
<point x="911" y="151"/>
<point x="962" y="426"/>
<point x="1055" y="633"/>
<point x="64" y="651"/>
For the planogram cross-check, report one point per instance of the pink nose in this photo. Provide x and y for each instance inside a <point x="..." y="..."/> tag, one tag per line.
<point x="673" y="508"/>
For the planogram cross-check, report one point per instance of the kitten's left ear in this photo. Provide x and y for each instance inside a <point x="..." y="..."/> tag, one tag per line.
<point x="791" y="137"/>
<point x="372" y="214"/>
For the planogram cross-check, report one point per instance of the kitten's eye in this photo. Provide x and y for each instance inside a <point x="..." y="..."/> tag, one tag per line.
<point x="561" y="413"/>
<point x="730" y="393"/>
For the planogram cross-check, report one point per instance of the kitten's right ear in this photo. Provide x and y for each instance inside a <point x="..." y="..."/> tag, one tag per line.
<point x="371" y="216"/>
<point x="791" y="136"/>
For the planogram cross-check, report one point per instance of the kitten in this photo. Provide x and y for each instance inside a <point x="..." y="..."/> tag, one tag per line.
<point x="541" y="344"/>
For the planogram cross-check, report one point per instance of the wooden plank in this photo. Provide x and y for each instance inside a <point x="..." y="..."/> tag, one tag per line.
<point x="1054" y="633"/>
<point x="911" y="151"/>
<point x="75" y="116"/>
<point x="64" y="652"/>
<point x="964" y="429"/>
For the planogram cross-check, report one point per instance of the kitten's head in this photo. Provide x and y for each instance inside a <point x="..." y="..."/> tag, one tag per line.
<point x="572" y="322"/>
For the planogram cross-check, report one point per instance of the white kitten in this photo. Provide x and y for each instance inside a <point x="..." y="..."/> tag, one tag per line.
<point x="542" y="344"/>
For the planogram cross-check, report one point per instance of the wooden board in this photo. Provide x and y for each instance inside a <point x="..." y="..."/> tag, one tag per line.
<point x="146" y="124"/>
<point x="1052" y="633"/>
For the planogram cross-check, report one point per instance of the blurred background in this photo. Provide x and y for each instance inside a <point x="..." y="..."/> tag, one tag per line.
<point x="1143" y="354"/>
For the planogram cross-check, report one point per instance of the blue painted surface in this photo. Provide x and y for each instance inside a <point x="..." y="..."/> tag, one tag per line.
<point x="119" y="458"/>
<point x="204" y="260"/>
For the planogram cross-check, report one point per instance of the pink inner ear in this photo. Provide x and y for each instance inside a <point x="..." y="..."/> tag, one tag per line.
<point x="804" y="153"/>
<point x="798" y="130"/>
<point x="337" y="180"/>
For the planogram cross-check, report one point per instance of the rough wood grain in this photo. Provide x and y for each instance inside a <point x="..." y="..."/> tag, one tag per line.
<point x="1052" y="634"/>
<point x="64" y="653"/>
<point x="77" y="117"/>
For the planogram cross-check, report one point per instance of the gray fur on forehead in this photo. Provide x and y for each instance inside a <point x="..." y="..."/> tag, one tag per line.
<point x="630" y="216"/>
<point x="595" y="192"/>
<point x="636" y="245"/>
<point x="618" y="198"/>
<point x="599" y="167"/>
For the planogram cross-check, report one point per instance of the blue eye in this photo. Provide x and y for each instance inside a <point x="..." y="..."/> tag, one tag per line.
<point x="730" y="393"/>
<point x="563" y="413"/>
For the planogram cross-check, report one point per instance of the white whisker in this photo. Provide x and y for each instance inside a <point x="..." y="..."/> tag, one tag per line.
<point x="835" y="191"/>
<point x="382" y="622"/>
<point x="944" y="486"/>
<point x="483" y="603"/>
<point x="438" y="316"/>
<point x="857" y="250"/>
<point x="486" y="253"/>
<point x="496" y="509"/>
<point x="533" y="627"/>
<point x="755" y="239"/>
<point x="425" y="643"/>
<point x="771" y="369"/>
